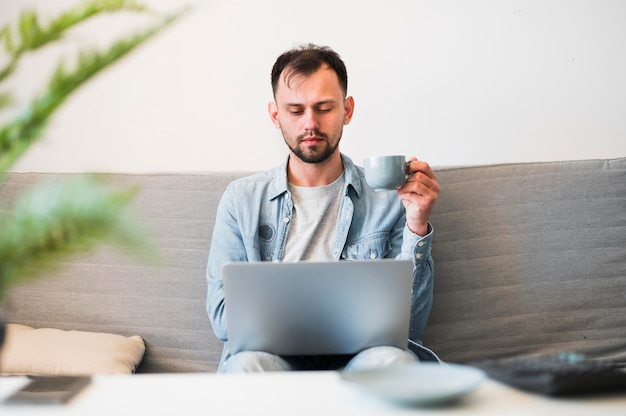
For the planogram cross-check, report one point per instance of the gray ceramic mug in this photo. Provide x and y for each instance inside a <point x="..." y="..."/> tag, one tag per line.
<point x="385" y="172"/>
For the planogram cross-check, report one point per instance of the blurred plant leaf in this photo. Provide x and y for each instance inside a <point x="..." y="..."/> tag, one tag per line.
<point x="17" y="135"/>
<point x="5" y="100"/>
<point x="57" y="219"/>
<point x="30" y="35"/>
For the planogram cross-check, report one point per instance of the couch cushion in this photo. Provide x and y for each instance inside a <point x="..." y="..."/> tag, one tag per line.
<point x="48" y="351"/>
<point x="530" y="258"/>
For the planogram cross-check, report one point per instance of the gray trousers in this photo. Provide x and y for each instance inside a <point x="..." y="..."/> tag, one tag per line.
<point x="375" y="357"/>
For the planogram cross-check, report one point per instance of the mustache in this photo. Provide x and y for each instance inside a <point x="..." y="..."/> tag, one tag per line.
<point x="312" y="133"/>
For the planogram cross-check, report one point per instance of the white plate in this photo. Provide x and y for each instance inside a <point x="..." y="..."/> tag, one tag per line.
<point x="417" y="383"/>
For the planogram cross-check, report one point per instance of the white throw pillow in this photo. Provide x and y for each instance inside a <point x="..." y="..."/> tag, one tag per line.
<point x="48" y="351"/>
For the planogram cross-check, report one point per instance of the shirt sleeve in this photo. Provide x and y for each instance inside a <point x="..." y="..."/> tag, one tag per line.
<point x="418" y="249"/>
<point x="226" y="246"/>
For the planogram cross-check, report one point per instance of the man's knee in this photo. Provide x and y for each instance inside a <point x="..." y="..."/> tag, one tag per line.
<point x="380" y="357"/>
<point x="254" y="361"/>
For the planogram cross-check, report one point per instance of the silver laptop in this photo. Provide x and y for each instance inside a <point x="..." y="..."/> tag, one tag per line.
<point x="310" y="308"/>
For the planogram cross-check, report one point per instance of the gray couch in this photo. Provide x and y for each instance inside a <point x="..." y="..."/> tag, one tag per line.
<point x="529" y="258"/>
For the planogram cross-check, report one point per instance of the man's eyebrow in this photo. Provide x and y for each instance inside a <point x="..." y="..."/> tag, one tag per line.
<point x="329" y="101"/>
<point x="318" y="103"/>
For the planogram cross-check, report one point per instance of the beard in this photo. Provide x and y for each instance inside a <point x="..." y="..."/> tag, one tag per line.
<point x="313" y="154"/>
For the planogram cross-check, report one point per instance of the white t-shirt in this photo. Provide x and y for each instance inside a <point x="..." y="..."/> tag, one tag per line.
<point x="314" y="222"/>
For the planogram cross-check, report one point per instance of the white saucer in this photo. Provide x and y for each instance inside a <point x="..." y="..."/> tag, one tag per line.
<point x="417" y="383"/>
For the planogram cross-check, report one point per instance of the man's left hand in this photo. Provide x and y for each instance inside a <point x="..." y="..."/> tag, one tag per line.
<point x="418" y="195"/>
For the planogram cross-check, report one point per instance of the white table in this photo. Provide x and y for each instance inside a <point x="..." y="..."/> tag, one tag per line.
<point x="304" y="393"/>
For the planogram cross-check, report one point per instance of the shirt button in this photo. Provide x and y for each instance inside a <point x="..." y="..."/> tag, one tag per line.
<point x="372" y="255"/>
<point x="286" y="219"/>
<point x="421" y="244"/>
<point x="418" y="255"/>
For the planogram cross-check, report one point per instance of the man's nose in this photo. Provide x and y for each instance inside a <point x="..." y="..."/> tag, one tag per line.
<point x="310" y="120"/>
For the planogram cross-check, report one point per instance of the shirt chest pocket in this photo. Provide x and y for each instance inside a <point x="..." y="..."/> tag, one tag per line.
<point x="261" y="246"/>
<point x="373" y="247"/>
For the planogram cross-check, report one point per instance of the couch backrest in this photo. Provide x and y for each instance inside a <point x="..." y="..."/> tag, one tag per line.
<point x="528" y="258"/>
<point x="110" y="291"/>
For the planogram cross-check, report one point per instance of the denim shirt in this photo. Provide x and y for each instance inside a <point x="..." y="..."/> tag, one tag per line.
<point x="252" y="223"/>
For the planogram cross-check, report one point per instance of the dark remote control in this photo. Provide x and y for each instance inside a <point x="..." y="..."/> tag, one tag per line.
<point x="557" y="374"/>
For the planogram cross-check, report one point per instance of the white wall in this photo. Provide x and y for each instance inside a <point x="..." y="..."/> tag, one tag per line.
<point x="455" y="82"/>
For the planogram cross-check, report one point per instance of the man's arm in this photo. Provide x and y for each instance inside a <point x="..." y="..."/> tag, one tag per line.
<point x="226" y="246"/>
<point x="418" y="195"/>
<point x="418" y="249"/>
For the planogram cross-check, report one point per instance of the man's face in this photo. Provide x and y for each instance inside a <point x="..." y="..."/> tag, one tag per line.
<point x="311" y="113"/>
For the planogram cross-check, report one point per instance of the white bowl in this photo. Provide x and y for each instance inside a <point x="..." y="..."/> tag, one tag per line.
<point x="417" y="383"/>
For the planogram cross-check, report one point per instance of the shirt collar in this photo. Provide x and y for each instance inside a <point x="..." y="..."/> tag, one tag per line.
<point x="279" y="174"/>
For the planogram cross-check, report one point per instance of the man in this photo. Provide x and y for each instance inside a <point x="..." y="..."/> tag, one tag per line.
<point x="317" y="206"/>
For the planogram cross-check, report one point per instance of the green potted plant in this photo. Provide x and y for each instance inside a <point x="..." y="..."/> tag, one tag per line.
<point x="57" y="219"/>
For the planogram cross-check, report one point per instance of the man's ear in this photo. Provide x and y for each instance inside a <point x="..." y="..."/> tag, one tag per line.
<point x="349" y="110"/>
<point x="272" y="109"/>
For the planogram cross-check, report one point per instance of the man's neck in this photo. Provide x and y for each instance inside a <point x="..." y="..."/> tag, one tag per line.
<point x="300" y="173"/>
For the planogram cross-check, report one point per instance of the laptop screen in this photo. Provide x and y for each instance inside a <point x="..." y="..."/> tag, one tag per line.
<point x="308" y="308"/>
